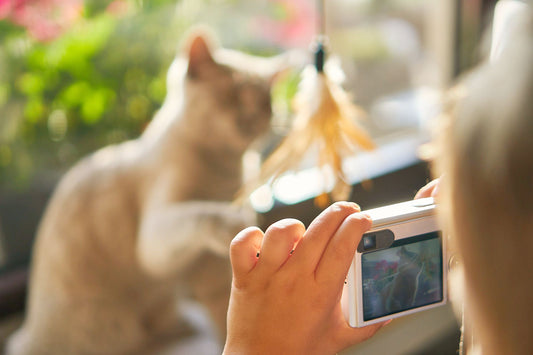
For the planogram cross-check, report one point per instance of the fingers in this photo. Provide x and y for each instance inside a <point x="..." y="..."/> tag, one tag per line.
<point x="321" y="231"/>
<point x="243" y="251"/>
<point x="335" y="261"/>
<point x="280" y="239"/>
<point x="430" y="190"/>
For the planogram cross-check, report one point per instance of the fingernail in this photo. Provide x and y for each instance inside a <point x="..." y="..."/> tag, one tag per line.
<point x="356" y="206"/>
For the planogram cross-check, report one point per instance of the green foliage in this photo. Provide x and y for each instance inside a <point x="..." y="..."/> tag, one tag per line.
<point x="101" y="80"/>
<point x="96" y="84"/>
<point x="283" y="92"/>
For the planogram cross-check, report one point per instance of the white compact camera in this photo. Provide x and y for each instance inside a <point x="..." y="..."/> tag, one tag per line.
<point x="400" y="266"/>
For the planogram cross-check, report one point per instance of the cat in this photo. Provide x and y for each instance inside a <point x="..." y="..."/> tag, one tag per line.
<point x="400" y="294"/>
<point x="136" y="225"/>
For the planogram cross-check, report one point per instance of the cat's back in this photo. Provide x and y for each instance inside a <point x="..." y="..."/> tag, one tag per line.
<point x="96" y="183"/>
<point x="100" y="172"/>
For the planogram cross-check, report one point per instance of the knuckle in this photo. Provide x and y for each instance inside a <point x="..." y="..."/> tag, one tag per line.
<point x="243" y="236"/>
<point x="359" y="220"/>
<point x="286" y="226"/>
<point x="344" y="208"/>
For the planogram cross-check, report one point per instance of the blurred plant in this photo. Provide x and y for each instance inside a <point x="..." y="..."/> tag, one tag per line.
<point x="45" y="19"/>
<point x="289" y="23"/>
<point x="75" y="77"/>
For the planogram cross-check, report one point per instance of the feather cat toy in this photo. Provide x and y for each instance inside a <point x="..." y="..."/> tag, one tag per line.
<point x="326" y="118"/>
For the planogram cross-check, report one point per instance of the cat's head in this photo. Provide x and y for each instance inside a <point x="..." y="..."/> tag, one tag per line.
<point x="224" y="95"/>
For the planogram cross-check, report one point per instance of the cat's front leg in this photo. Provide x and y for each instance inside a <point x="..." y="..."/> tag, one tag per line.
<point x="171" y="237"/>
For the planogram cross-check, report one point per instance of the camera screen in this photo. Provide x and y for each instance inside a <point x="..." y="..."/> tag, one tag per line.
<point x="404" y="276"/>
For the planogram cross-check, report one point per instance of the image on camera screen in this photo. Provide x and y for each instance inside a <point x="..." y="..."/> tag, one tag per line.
<point x="404" y="276"/>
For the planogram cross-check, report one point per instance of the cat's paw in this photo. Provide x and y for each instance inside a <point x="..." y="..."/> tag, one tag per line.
<point x="228" y="223"/>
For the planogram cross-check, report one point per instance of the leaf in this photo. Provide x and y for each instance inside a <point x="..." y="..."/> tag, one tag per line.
<point x="31" y="84"/>
<point x="74" y="94"/>
<point x="95" y="104"/>
<point x="34" y="110"/>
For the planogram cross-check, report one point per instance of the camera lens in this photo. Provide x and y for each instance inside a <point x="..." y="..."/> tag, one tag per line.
<point x="369" y="242"/>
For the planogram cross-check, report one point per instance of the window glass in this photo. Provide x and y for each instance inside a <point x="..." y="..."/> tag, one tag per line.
<point x="78" y="75"/>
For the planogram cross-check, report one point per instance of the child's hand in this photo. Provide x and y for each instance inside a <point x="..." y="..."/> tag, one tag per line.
<point x="289" y="303"/>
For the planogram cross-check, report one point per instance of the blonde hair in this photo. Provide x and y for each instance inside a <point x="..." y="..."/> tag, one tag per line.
<point x="486" y="194"/>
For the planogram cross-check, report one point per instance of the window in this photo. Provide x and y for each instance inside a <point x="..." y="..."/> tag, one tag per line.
<point x="76" y="76"/>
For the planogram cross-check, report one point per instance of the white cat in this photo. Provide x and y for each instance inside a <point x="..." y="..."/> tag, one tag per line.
<point x="135" y="225"/>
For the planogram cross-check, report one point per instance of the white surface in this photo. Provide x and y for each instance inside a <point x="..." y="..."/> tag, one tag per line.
<point x="293" y="187"/>
<point x="400" y="212"/>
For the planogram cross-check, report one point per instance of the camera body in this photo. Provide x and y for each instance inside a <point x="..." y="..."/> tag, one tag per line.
<point x="400" y="266"/>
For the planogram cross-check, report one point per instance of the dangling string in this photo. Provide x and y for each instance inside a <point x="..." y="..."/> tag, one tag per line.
<point x="325" y="117"/>
<point x="321" y="17"/>
<point x="320" y="53"/>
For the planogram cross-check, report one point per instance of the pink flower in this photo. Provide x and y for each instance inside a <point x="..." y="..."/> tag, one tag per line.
<point x="381" y="265"/>
<point x="294" y="25"/>
<point x="5" y="8"/>
<point x="119" y="8"/>
<point x="393" y="266"/>
<point x="44" y="19"/>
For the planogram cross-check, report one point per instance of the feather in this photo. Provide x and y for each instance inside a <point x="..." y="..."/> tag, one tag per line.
<point x="326" y="119"/>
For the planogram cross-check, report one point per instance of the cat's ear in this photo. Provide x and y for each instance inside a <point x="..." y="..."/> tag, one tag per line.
<point x="199" y="53"/>
<point x="279" y="65"/>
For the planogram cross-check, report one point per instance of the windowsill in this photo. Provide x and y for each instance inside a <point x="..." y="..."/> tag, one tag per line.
<point x="393" y="153"/>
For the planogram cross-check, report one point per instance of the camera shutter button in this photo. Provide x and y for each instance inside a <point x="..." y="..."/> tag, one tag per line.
<point x="423" y="202"/>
